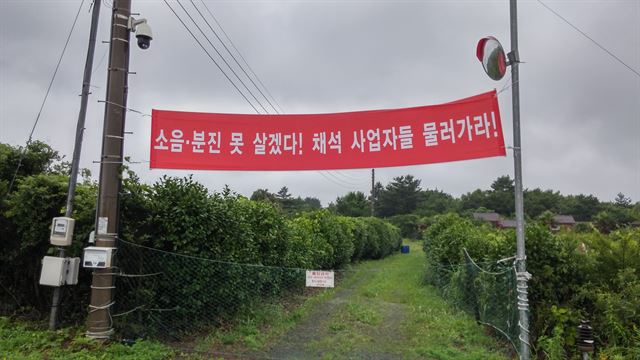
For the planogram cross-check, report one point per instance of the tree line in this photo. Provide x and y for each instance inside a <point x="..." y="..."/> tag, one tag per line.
<point x="405" y="196"/>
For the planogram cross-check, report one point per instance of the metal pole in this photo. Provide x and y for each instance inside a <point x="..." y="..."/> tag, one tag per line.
<point x="521" y="266"/>
<point x="373" y="187"/>
<point x="99" y="324"/>
<point x="77" y="148"/>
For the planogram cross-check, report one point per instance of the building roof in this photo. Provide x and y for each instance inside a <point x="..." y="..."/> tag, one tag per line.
<point x="564" y="220"/>
<point x="507" y="223"/>
<point x="491" y="217"/>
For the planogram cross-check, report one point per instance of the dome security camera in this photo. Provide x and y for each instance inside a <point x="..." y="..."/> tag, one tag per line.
<point x="143" y="32"/>
<point x="144" y="35"/>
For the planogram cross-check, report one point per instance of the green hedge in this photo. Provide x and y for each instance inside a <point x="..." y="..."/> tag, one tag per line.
<point x="184" y="218"/>
<point x="179" y="215"/>
<point x="575" y="276"/>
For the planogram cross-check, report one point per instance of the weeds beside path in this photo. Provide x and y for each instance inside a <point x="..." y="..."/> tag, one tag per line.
<point x="382" y="310"/>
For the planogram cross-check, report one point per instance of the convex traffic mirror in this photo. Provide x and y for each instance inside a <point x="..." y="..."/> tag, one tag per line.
<point x="492" y="57"/>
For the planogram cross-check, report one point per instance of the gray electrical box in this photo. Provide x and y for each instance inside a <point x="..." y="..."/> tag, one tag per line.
<point x="57" y="271"/>
<point x="53" y="271"/>
<point x="73" y="269"/>
<point x="62" y="231"/>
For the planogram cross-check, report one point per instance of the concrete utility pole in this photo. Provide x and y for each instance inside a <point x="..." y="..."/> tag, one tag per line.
<point x="99" y="322"/>
<point x="373" y="190"/>
<point x="521" y="264"/>
<point x="75" y="162"/>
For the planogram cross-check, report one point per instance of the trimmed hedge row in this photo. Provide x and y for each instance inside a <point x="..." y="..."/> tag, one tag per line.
<point x="575" y="276"/>
<point x="179" y="215"/>
<point x="184" y="218"/>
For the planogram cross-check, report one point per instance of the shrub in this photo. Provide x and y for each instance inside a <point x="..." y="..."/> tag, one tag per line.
<point x="409" y="225"/>
<point x="575" y="276"/>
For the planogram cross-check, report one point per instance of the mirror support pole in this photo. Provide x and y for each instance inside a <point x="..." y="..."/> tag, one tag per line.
<point x="521" y="266"/>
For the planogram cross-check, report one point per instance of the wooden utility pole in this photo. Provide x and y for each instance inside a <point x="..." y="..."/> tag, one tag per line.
<point x="99" y="323"/>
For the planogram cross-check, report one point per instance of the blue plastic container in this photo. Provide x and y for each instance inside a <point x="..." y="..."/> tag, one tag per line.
<point x="404" y="249"/>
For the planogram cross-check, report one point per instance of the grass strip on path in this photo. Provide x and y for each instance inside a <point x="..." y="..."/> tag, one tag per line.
<point x="384" y="311"/>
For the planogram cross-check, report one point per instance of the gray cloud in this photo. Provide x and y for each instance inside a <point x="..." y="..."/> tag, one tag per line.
<point x="580" y="108"/>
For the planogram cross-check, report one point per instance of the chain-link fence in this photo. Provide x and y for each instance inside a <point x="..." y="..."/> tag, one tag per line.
<point x="168" y="295"/>
<point x="485" y="290"/>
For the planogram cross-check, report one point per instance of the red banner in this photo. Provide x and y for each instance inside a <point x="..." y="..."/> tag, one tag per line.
<point x="465" y="129"/>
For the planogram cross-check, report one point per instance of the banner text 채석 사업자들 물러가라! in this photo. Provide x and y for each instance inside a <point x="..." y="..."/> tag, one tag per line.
<point x="465" y="129"/>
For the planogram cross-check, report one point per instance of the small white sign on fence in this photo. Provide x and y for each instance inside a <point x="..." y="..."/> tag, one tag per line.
<point x="316" y="278"/>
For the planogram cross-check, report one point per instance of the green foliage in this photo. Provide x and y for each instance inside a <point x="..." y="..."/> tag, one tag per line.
<point x="238" y="236"/>
<point x="25" y="239"/>
<point x="38" y="158"/>
<point x="537" y="202"/>
<point x="435" y="202"/>
<point x="21" y="341"/>
<point x="582" y="207"/>
<point x="337" y="234"/>
<point x="408" y="224"/>
<point x="622" y="201"/>
<point x="285" y="201"/>
<point x="576" y="276"/>
<point x="353" y="204"/>
<point x="263" y="195"/>
<point x="618" y="322"/>
<point x="38" y="194"/>
<point x="401" y="196"/>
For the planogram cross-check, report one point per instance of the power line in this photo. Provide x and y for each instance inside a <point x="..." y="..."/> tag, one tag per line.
<point x="337" y="180"/>
<point x="333" y="181"/>
<point x="242" y="57"/>
<point x="233" y="57"/>
<point x="221" y="57"/>
<point x="590" y="38"/>
<point x="210" y="57"/>
<point x="353" y="178"/>
<point x="333" y="175"/>
<point x="55" y="72"/>
<point x="334" y="178"/>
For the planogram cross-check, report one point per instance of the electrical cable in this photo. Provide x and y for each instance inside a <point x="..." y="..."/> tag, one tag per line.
<point x="334" y="178"/>
<point x="335" y="174"/>
<point x="242" y="57"/>
<point x="211" y="57"/>
<point x="333" y="181"/>
<point x="221" y="57"/>
<point x="359" y="180"/>
<point x="104" y="55"/>
<point x="44" y="101"/>
<point x="590" y="38"/>
<point x="233" y="57"/>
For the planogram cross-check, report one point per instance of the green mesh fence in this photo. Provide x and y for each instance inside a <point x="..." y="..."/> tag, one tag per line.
<point x="167" y="295"/>
<point x="485" y="290"/>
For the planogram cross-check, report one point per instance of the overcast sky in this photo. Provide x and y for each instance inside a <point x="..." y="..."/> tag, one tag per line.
<point x="580" y="107"/>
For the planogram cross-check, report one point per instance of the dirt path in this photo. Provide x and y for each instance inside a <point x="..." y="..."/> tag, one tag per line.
<point x="306" y="340"/>
<point x="381" y="310"/>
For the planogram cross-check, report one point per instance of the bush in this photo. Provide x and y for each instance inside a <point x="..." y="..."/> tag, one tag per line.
<point x="26" y="216"/>
<point x="183" y="217"/>
<point x="409" y="225"/>
<point x="575" y="276"/>
<point x="179" y="215"/>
